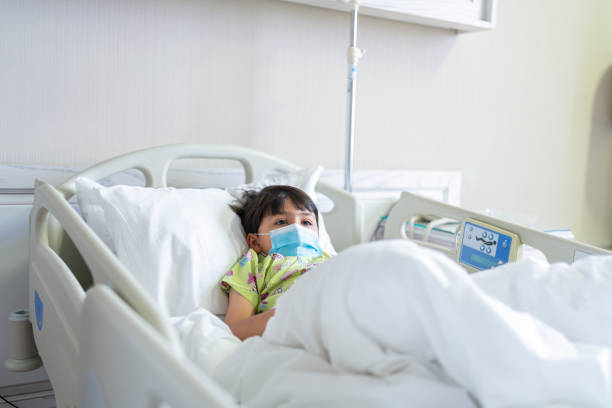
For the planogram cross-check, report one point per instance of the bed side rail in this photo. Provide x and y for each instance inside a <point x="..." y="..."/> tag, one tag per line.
<point x="55" y="301"/>
<point x="555" y="248"/>
<point x="102" y="263"/>
<point x="114" y="338"/>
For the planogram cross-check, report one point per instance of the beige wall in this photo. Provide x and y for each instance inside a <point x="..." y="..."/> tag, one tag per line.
<point x="513" y="109"/>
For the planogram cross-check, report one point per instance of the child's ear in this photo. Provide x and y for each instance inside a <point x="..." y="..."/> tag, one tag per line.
<point x="253" y="242"/>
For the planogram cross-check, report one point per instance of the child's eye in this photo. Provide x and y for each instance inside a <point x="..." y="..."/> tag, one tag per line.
<point x="280" y="222"/>
<point x="307" y="223"/>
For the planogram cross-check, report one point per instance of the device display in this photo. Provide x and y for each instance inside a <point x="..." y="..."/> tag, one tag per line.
<point x="484" y="246"/>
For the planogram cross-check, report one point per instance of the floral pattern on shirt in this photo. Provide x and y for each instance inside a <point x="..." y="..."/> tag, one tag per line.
<point x="262" y="279"/>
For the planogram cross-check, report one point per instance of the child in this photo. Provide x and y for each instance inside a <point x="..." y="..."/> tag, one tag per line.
<point x="282" y="235"/>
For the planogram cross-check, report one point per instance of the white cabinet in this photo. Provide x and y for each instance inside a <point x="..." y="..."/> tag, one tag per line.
<point x="460" y="15"/>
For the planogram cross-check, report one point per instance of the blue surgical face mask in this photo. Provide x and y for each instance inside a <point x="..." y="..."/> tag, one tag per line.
<point x="294" y="240"/>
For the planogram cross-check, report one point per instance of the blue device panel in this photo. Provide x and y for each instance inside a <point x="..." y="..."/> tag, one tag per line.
<point x="484" y="248"/>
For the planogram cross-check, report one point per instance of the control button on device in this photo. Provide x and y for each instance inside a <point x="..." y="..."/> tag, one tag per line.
<point x="495" y="245"/>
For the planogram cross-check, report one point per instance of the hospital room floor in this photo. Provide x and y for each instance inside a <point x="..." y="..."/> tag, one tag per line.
<point x="33" y="395"/>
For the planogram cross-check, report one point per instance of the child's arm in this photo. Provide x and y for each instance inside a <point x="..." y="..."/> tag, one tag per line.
<point x="241" y="319"/>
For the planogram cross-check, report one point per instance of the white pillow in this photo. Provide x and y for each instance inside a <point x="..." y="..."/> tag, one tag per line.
<point x="178" y="243"/>
<point x="91" y="209"/>
<point x="305" y="180"/>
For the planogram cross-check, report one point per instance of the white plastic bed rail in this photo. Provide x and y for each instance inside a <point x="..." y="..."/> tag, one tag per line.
<point x="555" y="248"/>
<point x="125" y="363"/>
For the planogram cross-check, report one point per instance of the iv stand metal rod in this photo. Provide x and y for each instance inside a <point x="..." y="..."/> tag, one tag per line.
<point x="354" y="54"/>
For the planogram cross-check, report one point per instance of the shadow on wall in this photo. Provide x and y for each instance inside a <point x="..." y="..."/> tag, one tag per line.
<point x="598" y="199"/>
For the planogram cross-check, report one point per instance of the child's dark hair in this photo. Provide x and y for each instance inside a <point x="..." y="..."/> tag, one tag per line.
<point x="255" y="205"/>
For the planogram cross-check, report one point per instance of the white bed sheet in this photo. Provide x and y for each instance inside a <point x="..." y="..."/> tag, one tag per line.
<point x="393" y="324"/>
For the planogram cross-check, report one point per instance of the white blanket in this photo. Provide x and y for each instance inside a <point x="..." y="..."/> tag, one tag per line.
<point x="392" y="324"/>
<point x="206" y="339"/>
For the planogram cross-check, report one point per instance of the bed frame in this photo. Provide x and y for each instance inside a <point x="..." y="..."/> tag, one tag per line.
<point x="90" y="309"/>
<point x="96" y="329"/>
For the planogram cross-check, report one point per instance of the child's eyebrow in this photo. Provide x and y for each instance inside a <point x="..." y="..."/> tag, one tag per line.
<point x="297" y="212"/>
<point x="304" y="212"/>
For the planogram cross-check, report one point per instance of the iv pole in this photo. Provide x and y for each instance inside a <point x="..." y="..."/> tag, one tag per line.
<point x="354" y="54"/>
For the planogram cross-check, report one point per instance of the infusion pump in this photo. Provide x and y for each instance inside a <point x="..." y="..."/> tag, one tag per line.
<point x="484" y="246"/>
<point x="482" y="241"/>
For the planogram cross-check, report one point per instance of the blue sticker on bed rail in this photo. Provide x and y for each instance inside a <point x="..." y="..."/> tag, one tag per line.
<point x="38" y="309"/>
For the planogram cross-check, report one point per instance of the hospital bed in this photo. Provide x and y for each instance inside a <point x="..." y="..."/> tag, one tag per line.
<point x="103" y="339"/>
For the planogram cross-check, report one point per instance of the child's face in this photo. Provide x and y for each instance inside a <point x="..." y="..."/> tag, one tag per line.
<point x="289" y="214"/>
